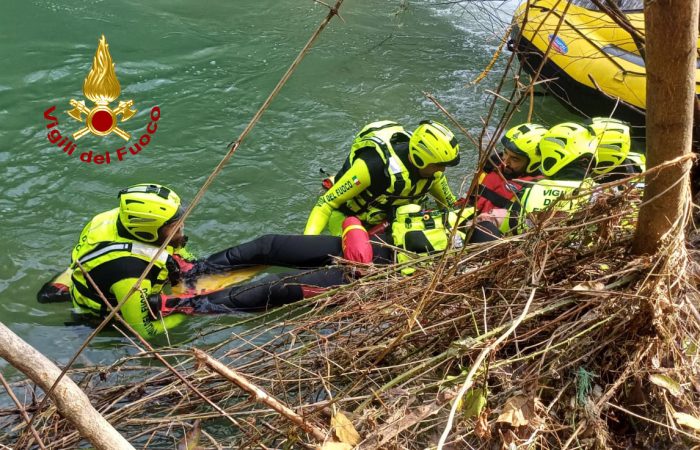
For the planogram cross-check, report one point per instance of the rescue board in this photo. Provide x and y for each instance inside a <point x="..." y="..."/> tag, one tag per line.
<point x="215" y="282"/>
<point x="58" y="289"/>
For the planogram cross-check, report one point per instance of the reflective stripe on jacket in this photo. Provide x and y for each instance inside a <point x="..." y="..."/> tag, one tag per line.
<point x="101" y="243"/>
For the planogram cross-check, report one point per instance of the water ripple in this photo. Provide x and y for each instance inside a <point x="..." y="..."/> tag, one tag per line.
<point x="145" y="86"/>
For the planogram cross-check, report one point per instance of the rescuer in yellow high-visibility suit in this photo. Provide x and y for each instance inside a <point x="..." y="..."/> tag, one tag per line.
<point x="387" y="167"/>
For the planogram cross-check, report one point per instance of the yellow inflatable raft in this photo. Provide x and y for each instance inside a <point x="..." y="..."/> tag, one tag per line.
<point x="592" y="61"/>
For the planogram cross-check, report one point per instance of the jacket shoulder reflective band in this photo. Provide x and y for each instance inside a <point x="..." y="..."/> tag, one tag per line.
<point x="402" y="186"/>
<point x="419" y="232"/>
<point x="561" y="195"/>
<point x="101" y="243"/>
<point x="135" y="248"/>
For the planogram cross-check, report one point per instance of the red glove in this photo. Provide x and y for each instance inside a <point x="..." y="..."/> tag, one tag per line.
<point x="172" y="304"/>
<point x="356" y="246"/>
<point x="184" y="265"/>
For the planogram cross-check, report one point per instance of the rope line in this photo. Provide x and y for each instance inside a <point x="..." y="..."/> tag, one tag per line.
<point x="491" y="63"/>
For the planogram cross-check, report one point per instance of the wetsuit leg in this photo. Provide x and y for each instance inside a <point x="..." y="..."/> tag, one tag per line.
<point x="485" y="232"/>
<point x="288" y="250"/>
<point x="56" y="290"/>
<point x="382" y="254"/>
<point x="271" y="291"/>
<point x="294" y="250"/>
<point x="52" y="292"/>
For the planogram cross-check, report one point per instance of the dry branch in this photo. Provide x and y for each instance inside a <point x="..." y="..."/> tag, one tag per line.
<point x="22" y="411"/>
<point x="477" y="364"/>
<point x="259" y="395"/>
<point x="70" y="400"/>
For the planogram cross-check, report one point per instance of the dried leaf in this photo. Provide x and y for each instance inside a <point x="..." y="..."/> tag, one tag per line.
<point x="344" y="429"/>
<point x="336" y="446"/>
<point x="518" y="411"/>
<point x="589" y="286"/>
<point x="472" y="403"/>
<point x="687" y="420"/>
<point x="191" y="439"/>
<point x="668" y="383"/>
<point x="509" y="441"/>
<point x="481" y="427"/>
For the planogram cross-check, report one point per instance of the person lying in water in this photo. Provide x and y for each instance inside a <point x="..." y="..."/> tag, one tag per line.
<point x="115" y="247"/>
<point x="312" y="258"/>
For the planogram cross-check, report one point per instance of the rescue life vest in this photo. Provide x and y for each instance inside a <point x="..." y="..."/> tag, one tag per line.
<point x="561" y="195"/>
<point x="100" y="243"/>
<point x="495" y="192"/>
<point x="405" y="186"/>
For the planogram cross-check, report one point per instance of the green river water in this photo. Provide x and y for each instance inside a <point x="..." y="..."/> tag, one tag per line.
<point x="208" y="66"/>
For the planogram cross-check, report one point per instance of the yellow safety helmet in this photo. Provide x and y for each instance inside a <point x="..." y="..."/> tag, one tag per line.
<point x="523" y="140"/>
<point x="613" y="143"/>
<point x="145" y="208"/>
<point x="565" y="143"/>
<point x="638" y="160"/>
<point x="433" y="143"/>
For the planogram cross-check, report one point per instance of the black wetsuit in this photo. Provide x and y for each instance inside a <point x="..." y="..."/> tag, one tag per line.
<point x="294" y="251"/>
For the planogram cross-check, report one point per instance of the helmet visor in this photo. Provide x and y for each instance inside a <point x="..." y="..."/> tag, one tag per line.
<point x="452" y="163"/>
<point x="160" y="191"/>
<point x="510" y="145"/>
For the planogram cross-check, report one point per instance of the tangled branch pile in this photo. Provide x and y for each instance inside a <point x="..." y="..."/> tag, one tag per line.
<point x="604" y="355"/>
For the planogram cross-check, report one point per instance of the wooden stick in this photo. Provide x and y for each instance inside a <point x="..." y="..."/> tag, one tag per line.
<point x="259" y="395"/>
<point x="70" y="400"/>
